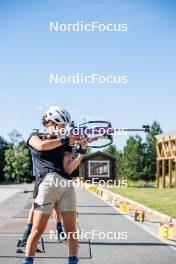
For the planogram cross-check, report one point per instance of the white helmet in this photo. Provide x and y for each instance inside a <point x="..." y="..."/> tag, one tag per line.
<point x="58" y="115"/>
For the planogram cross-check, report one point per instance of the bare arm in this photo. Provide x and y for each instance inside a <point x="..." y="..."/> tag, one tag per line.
<point x="41" y="145"/>
<point x="69" y="164"/>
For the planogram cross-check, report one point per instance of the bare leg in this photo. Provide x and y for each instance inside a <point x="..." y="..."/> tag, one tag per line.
<point x="39" y="224"/>
<point x="70" y="227"/>
<point x="30" y="216"/>
<point x="56" y="214"/>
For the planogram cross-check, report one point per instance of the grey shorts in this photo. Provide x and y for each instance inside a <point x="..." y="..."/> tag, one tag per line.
<point x="55" y="189"/>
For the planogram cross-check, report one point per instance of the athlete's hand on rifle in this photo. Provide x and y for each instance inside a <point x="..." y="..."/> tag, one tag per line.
<point x="80" y="148"/>
<point x="83" y="141"/>
<point x="73" y="140"/>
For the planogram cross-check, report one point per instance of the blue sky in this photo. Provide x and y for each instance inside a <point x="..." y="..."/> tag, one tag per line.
<point x="146" y="53"/>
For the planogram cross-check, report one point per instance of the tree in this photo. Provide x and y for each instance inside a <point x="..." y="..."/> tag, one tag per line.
<point x="3" y="147"/>
<point x="18" y="165"/>
<point x="112" y="150"/>
<point x="132" y="159"/>
<point x="15" y="138"/>
<point x="119" y="165"/>
<point x="150" y="156"/>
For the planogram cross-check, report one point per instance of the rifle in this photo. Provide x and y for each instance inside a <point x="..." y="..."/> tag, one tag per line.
<point x="101" y="130"/>
<point x="96" y="134"/>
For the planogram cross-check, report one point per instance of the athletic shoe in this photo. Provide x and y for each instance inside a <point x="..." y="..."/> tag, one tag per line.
<point x="23" y="240"/>
<point x="73" y="260"/>
<point x="28" y="260"/>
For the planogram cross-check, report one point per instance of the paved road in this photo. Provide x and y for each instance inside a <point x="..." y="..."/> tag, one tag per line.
<point x="94" y="214"/>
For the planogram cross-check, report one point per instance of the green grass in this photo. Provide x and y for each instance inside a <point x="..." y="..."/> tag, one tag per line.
<point x="162" y="200"/>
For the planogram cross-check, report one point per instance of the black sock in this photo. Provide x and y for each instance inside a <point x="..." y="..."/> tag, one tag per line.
<point x="59" y="226"/>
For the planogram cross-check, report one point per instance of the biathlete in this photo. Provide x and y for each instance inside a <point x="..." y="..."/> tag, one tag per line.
<point x="56" y="214"/>
<point x="53" y="162"/>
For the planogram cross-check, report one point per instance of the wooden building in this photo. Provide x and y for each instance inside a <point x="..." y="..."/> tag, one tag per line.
<point x="166" y="154"/>
<point x="98" y="165"/>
